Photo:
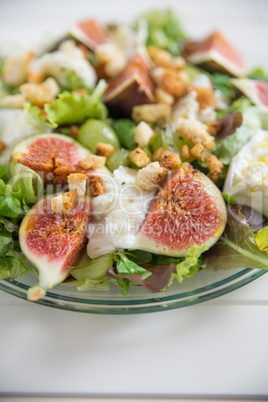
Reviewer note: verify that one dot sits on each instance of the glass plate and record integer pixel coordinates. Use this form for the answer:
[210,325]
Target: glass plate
[204,286]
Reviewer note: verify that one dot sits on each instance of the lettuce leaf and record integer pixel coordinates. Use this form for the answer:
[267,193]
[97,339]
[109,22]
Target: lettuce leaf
[71,108]
[164,30]
[21,191]
[222,82]
[12,261]
[258,74]
[237,247]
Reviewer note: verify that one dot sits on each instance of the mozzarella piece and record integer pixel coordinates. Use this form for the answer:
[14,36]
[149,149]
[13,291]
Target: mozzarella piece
[247,177]
[117,213]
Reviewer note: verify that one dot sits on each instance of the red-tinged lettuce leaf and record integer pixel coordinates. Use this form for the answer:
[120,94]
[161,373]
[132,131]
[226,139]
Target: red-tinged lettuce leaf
[158,280]
[229,124]
[237,247]
[255,220]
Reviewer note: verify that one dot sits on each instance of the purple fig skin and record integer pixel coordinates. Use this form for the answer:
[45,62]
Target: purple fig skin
[132,87]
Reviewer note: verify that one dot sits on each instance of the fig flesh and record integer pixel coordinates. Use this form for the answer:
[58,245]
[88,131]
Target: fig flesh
[53,156]
[53,242]
[90,33]
[215,53]
[256,91]
[131,87]
[187,210]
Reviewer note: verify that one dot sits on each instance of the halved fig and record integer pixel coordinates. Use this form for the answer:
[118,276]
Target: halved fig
[187,210]
[132,87]
[53,242]
[256,91]
[89,32]
[215,53]
[53,156]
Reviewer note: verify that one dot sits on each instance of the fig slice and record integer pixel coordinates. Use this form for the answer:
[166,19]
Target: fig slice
[53,242]
[89,32]
[53,156]
[131,87]
[187,210]
[256,91]
[215,53]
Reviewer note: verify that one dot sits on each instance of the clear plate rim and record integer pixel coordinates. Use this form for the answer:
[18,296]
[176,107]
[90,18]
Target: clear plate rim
[151,304]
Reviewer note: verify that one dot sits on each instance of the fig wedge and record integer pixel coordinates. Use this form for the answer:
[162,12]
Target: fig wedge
[187,210]
[53,242]
[132,87]
[256,91]
[52,156]
[215,53]
[89,32]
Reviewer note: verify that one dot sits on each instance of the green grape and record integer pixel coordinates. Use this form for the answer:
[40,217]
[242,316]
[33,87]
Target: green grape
[94,131]
[119,158]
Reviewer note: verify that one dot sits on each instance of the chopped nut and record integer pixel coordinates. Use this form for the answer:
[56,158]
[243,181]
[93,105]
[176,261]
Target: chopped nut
[160,57]
[205,96]
[73,132]
[143,134]
[77,182]
[63,203]
[93,162]
[196,132]
[178,63]
[215,166]
[162,96]
[139,157]
[150,113]
[157,75]
[35,77]
[15,68]
[198,151]
[103,149]
[170,160]
[39,94]
[157,154]
[214,127]
[13,101]
[2,146]
[185,153]
[95,186]
[150,176]
[172,83]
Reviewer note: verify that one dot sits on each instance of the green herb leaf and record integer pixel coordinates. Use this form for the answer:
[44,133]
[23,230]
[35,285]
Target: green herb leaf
[125,266]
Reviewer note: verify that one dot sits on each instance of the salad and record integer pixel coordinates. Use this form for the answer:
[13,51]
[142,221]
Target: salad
[133,155]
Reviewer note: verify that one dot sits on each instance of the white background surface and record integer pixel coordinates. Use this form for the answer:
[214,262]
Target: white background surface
[218,348]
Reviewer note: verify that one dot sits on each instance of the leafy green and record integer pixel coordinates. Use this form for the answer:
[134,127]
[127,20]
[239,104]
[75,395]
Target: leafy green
[74,82]
[124,129]
[189,265]
[237,247]
[164,30]
[125,266]
[222,82]
[228,147]
[258,74]
[12,261]
[229,199]
[22,190]
[71,108]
